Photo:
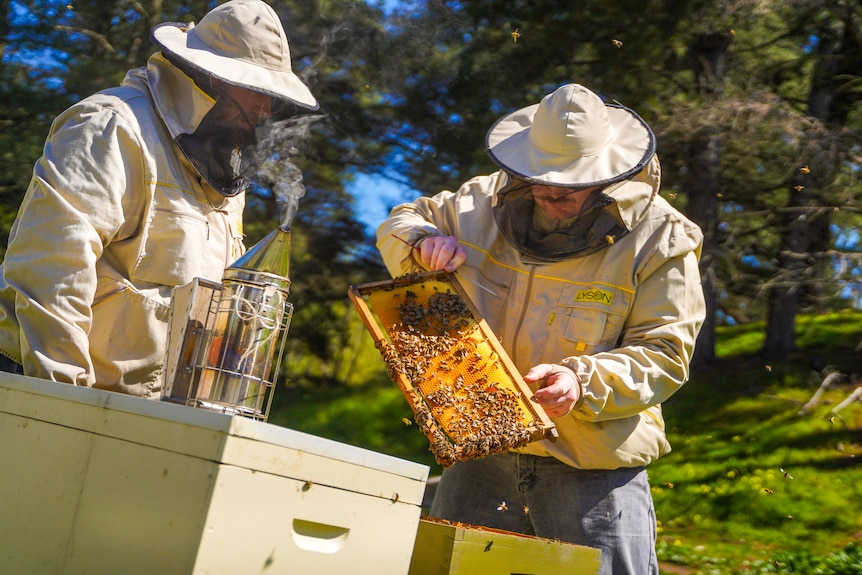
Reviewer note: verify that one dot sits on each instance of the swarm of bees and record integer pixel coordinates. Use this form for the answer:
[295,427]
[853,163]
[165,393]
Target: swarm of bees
[462,396]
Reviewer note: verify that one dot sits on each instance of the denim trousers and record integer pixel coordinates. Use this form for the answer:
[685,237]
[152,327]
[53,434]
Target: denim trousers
[611,510]
[10,366]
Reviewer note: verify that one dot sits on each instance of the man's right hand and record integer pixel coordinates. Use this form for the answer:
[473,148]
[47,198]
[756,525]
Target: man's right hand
[442,253]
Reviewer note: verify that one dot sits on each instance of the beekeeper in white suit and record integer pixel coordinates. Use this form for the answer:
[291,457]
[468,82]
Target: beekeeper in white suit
[141,188]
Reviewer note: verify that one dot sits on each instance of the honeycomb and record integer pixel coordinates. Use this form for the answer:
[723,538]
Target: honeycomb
[466,395]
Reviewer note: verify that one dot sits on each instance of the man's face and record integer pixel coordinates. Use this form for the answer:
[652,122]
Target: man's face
[560,203]
[248,110]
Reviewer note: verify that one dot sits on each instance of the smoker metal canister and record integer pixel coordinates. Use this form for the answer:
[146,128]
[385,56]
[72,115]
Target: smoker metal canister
[233,334]
[250,321]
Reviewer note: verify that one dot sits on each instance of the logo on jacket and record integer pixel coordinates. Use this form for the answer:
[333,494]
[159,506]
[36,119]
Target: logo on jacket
[595,295]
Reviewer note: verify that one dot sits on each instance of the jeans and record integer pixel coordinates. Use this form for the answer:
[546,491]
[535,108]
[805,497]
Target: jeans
[10,366]
[611,510]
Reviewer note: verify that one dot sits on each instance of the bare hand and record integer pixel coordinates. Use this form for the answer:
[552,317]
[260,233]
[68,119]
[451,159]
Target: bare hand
[559,392]
[442,253]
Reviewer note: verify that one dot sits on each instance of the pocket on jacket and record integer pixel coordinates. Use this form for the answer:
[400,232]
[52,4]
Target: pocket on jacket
[593,317]
[174,248]
[127,338]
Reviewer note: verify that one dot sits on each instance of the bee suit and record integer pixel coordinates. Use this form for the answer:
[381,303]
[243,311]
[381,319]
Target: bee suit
[609,300]
[140,188]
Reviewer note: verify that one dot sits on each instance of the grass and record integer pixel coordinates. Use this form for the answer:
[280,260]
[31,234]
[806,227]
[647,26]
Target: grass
[751,486]
[750,478]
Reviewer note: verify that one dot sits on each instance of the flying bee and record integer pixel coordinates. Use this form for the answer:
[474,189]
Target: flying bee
[515,35]
[502,507]
[617,43]
[406,421]
[786,474]
[805,170]
[610,239]
[768,491]
[798,188]
[672,195]
[526,510]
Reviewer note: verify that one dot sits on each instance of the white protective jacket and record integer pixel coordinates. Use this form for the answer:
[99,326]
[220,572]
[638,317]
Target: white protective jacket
[624,319]
[114,217]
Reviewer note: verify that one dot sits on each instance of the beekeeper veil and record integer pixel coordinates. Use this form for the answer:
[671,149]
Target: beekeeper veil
[239,56]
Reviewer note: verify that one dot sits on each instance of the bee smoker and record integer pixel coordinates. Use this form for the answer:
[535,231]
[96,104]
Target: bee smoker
[226,341]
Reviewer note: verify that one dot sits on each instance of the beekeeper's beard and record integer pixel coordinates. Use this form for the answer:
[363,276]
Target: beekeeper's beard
[545,224]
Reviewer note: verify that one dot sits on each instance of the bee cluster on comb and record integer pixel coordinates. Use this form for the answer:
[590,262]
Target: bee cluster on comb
[466,396]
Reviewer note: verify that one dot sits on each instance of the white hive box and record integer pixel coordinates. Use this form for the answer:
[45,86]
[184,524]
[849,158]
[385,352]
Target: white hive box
[102,483]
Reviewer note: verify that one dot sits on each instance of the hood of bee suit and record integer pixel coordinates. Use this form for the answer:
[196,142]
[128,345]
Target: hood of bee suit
[241,42]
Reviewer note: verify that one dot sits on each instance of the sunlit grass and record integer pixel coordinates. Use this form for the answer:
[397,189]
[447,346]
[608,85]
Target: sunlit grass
[750,478]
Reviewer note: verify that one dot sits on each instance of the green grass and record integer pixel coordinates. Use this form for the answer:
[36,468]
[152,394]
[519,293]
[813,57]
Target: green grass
[751,482]
[751,486]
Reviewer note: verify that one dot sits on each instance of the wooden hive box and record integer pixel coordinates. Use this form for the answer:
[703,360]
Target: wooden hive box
[466,394]
[444,548]
[103,483]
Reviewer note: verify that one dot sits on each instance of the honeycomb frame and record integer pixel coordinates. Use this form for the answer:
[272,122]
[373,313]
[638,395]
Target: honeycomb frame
[466,395]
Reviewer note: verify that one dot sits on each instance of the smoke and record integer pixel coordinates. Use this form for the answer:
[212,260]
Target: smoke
[279,143]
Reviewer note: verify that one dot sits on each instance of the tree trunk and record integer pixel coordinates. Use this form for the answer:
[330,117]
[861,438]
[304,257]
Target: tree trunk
[709,52]
[801,271]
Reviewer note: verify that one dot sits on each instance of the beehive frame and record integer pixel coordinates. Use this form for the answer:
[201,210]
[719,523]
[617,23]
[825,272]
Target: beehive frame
[467,396]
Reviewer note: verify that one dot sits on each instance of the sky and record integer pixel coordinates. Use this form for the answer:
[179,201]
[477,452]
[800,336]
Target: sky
[375,196]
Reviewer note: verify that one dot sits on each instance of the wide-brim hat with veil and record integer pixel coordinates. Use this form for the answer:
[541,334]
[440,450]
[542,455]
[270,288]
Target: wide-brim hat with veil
[571,139]
[241,42]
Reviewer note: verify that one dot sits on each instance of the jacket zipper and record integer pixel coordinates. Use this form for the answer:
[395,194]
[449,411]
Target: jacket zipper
[104,297]
[523,315]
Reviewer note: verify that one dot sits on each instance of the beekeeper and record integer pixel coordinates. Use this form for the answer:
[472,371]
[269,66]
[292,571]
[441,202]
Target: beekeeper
[141,188]
[598,301]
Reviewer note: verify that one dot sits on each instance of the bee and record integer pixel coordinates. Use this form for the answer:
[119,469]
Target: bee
[488,546]
[805,169]
[406,421]
[832,420]
[786,474]
[526,510]
[502,507]
[768,491]
[798,188]
[668,484]
[732,32]
[306,486]
[617,43]
[515,35]
[395,497]
[768,368]
[672,195]
[610,239]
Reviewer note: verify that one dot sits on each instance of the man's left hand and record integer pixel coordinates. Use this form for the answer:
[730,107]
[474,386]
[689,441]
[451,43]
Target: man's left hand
[559,392]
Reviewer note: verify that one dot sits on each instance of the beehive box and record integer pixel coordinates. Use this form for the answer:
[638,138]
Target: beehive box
[102,483]
[444,548]
[466,394]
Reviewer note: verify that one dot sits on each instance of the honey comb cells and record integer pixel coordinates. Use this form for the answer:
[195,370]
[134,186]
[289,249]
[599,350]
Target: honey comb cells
[467,400]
